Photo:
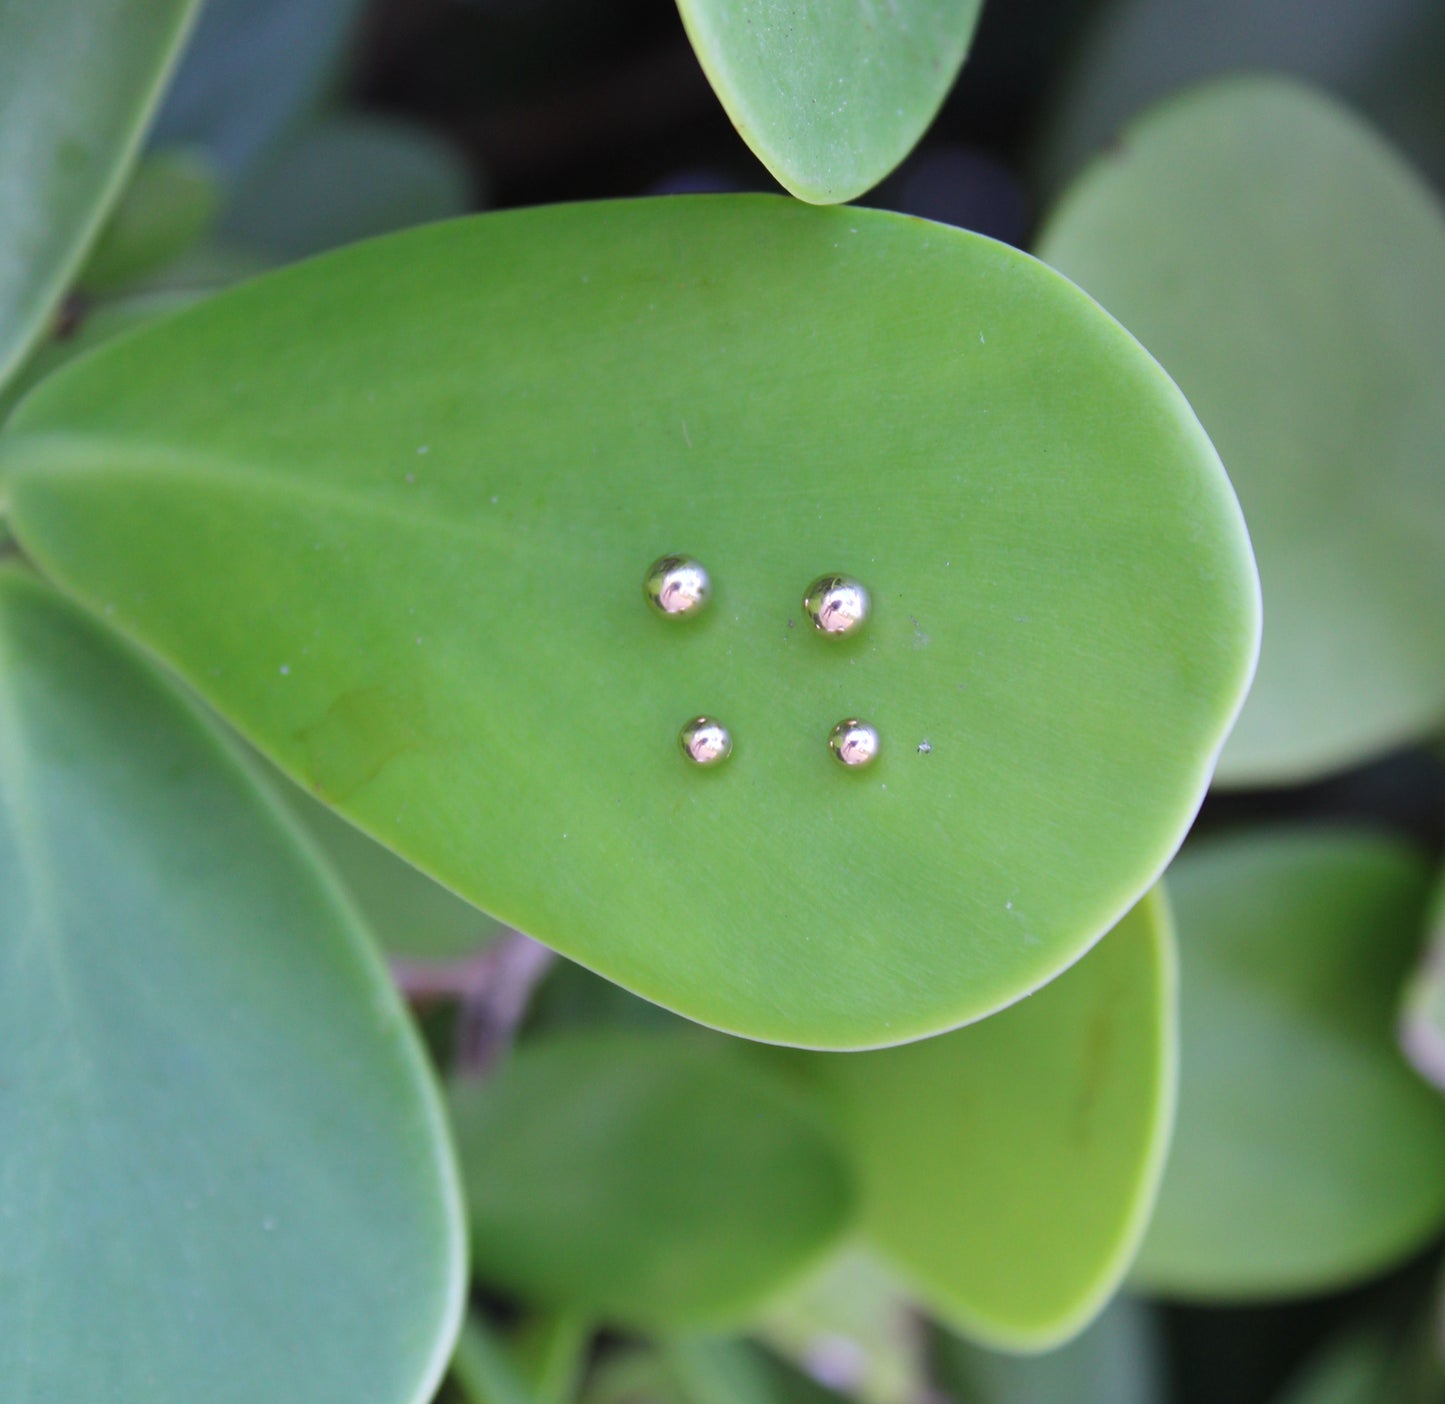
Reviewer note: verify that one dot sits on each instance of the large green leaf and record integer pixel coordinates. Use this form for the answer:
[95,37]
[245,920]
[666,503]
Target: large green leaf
[832,95]
[1290,274]
[78,79]
[1308,1153]
[226,1174]
[1008,1169]
[647,1179]
[390,511]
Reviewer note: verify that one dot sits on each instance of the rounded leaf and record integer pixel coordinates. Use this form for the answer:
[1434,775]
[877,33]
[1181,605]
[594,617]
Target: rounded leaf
[1289,272]
[649,1180]
[78,80]
[1308,1153]
[391,511]
[1008,1169]
[832,95]
[227,1174]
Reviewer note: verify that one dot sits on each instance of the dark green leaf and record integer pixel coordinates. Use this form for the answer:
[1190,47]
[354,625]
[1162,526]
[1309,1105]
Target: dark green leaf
[650,1180]
[832,95]
[166,209]
[340,179]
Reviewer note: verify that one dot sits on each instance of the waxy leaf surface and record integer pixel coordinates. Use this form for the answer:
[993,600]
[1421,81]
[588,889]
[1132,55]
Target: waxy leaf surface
[226,1173]
[653,1180]
[1007,1170]
[78,79]
[1289,272]
[833,94]
[390,511]
[1308,1152]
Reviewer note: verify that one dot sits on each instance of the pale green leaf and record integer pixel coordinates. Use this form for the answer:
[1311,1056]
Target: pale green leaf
[646,1179]
[1289,272]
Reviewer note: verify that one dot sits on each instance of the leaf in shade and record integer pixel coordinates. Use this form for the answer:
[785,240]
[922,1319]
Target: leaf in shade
[78,82]
[1308,1153]
[226,1174]
[648,1180]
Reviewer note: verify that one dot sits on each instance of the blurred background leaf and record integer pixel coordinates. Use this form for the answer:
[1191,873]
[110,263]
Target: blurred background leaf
[1308,1153]
[1289,272]
[78,81]
[346,177]
[645,1179]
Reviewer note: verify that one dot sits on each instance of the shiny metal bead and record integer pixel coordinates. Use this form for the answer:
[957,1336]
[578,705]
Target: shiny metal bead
[705,741]
[837,605]
[853,743]
[677,586]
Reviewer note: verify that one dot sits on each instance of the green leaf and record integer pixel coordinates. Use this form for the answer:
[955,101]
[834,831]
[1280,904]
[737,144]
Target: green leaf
[1008,1169]
[78,81]
[412,489]
[1307,1153]
[346,178]
[647,1180]
[831,96]
[166,209]
[226,1172]
[1120,1359]
[1290,274]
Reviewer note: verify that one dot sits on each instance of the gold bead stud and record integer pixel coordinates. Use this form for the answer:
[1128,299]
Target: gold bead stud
[853,743]
[705,741]
[837,605]
[677,586]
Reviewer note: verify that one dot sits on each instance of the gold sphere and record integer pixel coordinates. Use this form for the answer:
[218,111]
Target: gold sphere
[853,743]
[677,586]
[705,741]
[837,605]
